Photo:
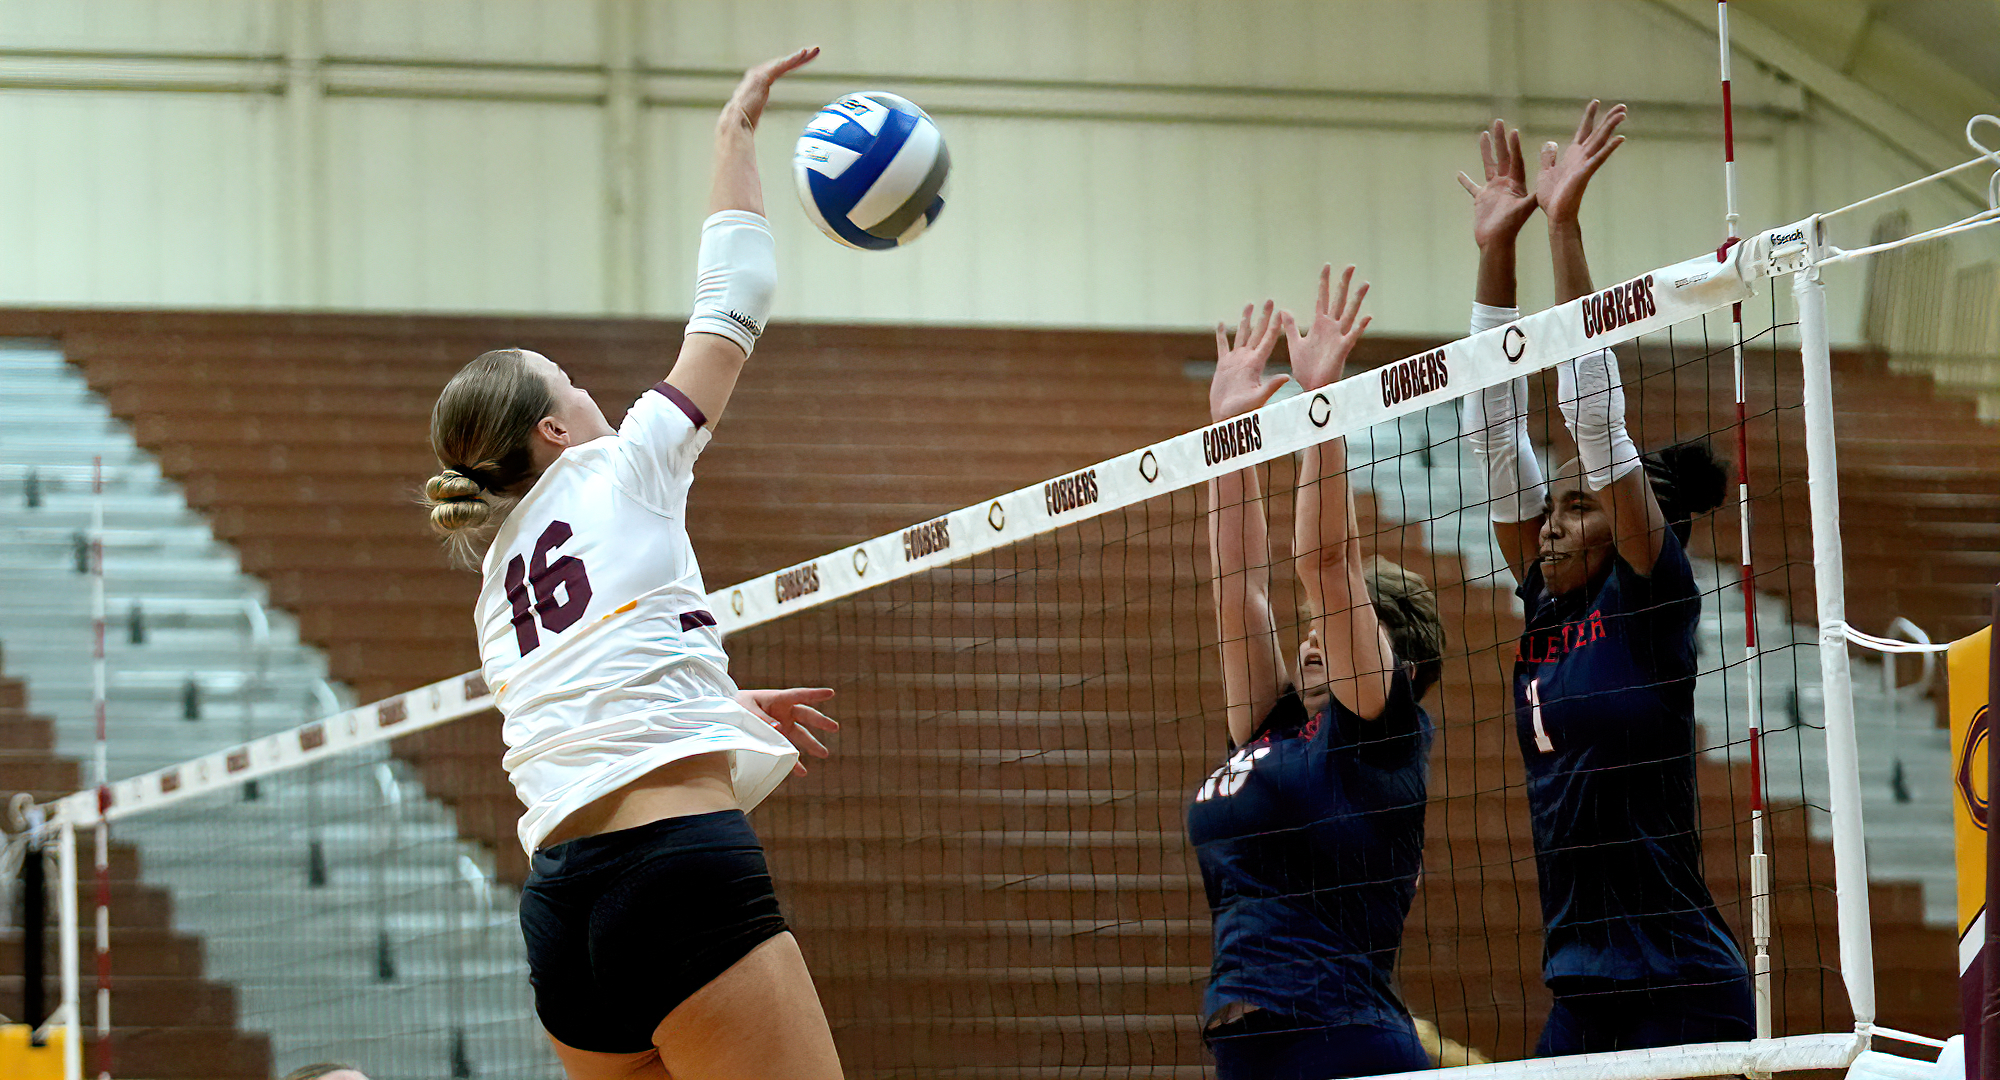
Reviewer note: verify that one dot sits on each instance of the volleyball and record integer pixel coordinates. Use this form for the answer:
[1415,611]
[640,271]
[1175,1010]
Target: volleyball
[869,169]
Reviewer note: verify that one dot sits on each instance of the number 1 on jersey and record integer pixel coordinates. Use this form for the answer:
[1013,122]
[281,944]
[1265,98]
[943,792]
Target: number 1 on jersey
[524,613]
[1542,741]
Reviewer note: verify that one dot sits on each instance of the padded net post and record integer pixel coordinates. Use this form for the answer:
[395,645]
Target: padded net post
[69,950]
[1857,959]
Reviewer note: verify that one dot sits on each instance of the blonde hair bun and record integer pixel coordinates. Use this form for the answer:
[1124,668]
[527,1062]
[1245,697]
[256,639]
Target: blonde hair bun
[456,503]
[482,431]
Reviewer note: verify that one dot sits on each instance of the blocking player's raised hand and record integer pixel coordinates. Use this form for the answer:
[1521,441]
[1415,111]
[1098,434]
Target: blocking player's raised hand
[1566,170]
[792,713]
[1239,384]
[1504,203]
[1319,353]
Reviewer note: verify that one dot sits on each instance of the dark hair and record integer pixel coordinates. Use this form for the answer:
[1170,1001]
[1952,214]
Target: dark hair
[480,432]
[1687,479]
[1408,612]
[313,1072]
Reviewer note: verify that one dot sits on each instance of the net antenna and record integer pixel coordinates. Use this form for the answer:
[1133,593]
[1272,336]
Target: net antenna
[100,768]
[1760,859]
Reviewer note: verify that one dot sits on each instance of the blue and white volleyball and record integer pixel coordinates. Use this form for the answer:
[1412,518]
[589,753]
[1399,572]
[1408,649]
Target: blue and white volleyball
[870,168]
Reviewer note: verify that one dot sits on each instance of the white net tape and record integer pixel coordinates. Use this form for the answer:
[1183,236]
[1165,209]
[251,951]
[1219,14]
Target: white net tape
[1645,304]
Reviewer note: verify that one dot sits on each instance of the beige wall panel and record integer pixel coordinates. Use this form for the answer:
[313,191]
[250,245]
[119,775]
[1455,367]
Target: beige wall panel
[1121,223]
[531,31]
[1622,52]
[442,205]
[1405,46]
[138,199]
[1847,164]
[143,26]
[1116,162]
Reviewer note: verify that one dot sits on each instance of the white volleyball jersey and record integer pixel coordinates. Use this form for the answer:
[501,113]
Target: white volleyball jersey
[593,628]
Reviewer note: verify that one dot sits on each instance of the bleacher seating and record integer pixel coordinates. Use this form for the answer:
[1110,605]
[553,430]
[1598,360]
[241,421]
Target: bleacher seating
[196,662]
[170,1019]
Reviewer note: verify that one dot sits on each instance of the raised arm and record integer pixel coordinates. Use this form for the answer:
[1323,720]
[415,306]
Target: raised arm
[1588,389]
[1495,419]
[1239,548]
[738,268]
[1326,541]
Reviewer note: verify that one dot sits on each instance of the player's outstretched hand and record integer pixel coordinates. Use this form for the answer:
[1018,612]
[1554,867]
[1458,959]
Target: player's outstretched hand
[1566,171]
[1319,354]
[746,105]
[1503,204]
[1239,384]
[792,713]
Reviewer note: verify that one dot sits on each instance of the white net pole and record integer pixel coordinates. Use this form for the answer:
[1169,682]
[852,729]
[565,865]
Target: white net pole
[1857,952]
[68,948]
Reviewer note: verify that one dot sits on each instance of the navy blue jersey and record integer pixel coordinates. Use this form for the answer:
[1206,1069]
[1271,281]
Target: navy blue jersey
[1310,839]
[1604,708]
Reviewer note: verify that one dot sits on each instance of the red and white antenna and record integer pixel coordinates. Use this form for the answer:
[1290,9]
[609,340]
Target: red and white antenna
[1760,860]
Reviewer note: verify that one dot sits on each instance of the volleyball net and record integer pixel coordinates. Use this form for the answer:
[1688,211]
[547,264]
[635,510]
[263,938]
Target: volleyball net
[994,874]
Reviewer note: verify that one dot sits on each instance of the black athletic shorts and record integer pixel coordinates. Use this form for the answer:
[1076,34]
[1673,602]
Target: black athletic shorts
[624,926]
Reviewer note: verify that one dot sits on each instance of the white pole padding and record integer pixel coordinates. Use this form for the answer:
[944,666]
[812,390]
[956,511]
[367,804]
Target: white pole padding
[67,932]
[1857,950]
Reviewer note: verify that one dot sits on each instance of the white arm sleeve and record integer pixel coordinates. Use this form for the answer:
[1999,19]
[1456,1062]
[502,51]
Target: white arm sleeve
[737,271]
[1486,317]
[1592,400]
[1495,424]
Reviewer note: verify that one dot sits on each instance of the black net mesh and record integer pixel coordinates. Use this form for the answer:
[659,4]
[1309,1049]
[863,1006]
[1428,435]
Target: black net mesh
[994,872]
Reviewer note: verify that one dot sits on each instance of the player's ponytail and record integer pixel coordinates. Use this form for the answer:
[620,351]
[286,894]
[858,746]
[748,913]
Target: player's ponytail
[1407,608]
[480,431]
[1687,479]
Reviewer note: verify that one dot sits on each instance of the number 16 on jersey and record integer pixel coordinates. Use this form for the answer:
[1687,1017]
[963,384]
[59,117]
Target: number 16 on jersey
[544,578]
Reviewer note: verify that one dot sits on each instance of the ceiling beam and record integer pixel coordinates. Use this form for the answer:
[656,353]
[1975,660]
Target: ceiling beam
[1908,136]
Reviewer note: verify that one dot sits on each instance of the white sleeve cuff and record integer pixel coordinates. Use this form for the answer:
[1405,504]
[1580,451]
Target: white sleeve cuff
[1486,317]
